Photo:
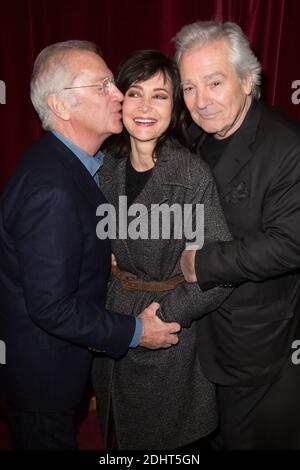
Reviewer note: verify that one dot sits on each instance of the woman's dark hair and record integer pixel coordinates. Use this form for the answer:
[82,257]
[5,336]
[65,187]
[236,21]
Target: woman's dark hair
[139,67]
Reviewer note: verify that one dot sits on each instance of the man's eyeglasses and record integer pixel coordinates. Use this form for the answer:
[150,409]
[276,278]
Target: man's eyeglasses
[103,87]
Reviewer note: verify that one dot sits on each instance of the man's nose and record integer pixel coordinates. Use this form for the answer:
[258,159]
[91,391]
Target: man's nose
[116,93]
[202,98]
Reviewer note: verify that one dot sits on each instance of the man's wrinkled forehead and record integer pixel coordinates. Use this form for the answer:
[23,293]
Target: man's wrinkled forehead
[208,60]
[209,48]
[87,64]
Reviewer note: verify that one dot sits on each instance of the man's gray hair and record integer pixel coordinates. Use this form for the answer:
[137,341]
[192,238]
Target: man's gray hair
[241,55]
[51,74]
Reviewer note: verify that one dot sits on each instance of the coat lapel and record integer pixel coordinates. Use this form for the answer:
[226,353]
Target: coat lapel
[239,151]
[113,186]
[236,155]
[112,177]
[154,191]
[77,171]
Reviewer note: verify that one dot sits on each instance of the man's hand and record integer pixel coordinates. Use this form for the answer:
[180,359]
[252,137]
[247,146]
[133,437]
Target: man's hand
[187,263]
[157,334]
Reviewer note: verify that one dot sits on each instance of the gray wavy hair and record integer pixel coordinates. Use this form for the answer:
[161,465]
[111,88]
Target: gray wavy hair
[241,55]
[51,74]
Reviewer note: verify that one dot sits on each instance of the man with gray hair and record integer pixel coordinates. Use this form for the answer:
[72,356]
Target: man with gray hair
[254,152]
[53,268]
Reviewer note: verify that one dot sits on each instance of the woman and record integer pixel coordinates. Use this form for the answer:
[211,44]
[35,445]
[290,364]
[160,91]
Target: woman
[158,399]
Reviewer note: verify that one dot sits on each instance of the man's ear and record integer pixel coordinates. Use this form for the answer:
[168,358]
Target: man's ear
[58,107]
[247,84]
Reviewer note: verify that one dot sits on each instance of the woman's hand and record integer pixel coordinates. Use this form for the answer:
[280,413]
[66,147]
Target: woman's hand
[187,263]
[113,261]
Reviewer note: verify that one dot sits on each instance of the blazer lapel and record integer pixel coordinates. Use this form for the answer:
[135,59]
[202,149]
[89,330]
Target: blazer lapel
[77,171]
[236,155]
[239,150]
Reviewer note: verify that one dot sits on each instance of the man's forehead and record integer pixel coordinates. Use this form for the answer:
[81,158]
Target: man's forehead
[88,63]
[218,49]
[209,76]
[208,60]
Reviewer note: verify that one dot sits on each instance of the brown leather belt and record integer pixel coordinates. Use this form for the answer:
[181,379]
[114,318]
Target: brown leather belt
[132,282]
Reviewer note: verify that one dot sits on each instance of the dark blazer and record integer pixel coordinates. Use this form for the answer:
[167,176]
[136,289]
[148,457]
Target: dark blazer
[53,276]
[160,399]
[249,339]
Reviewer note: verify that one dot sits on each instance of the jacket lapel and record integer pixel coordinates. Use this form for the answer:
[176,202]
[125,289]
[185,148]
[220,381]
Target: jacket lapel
[77,171]
[236,155]
[112,176]
[154,191]
[113,186]
[239,151]
[164,175]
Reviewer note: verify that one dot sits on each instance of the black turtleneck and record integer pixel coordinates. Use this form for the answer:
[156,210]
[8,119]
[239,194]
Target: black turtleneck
[212,149]
[135,181]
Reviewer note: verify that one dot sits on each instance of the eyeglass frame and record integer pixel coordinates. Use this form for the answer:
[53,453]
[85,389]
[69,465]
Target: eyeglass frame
[103,86]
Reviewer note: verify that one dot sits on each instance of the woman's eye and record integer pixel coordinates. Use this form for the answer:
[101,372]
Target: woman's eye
[160,97]
[132,94]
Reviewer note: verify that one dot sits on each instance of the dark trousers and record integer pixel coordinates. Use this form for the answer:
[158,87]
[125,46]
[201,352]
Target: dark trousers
[42,431]
[265,417]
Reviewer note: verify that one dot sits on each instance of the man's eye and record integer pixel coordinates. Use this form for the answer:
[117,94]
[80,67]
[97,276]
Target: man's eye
[187,89]
[215,84]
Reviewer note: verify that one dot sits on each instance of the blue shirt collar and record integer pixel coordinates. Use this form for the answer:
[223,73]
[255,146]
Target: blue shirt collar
[91,163]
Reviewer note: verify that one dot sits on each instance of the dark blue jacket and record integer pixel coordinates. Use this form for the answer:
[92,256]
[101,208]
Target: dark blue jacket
[53,277]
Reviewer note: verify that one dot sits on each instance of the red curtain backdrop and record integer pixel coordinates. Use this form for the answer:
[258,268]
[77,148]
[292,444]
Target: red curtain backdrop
[121,26]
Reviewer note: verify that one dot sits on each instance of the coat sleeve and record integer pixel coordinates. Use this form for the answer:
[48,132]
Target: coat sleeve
[270,252]
[49,242]
[187,302]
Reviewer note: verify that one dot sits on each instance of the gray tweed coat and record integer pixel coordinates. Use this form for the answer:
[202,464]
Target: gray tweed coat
[160,399]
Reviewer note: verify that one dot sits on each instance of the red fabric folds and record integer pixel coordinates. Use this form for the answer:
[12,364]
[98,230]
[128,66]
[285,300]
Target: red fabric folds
[120,27]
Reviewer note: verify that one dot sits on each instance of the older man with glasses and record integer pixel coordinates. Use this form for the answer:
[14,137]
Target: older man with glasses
[54,269]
